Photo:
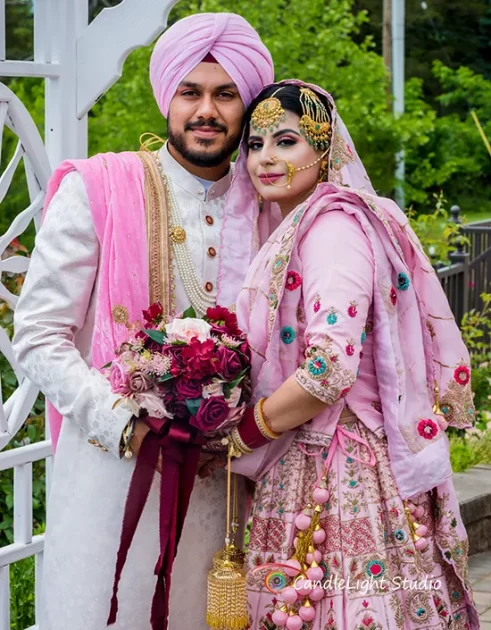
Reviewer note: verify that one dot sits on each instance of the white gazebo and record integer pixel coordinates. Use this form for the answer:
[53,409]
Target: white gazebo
[79,63]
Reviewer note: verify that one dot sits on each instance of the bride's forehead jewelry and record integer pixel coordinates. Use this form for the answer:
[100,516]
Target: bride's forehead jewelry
[315,124]
[268,115]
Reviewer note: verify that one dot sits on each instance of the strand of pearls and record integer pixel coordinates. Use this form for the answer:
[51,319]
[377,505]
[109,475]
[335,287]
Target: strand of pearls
[200,299]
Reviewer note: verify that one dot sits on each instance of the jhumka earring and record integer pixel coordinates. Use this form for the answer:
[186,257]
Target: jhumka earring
[315,124]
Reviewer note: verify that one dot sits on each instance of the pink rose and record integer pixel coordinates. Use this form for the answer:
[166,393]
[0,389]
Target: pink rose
[153,404]
[211,414]
[187,329]
[215,388]
[118,378]
[138,382]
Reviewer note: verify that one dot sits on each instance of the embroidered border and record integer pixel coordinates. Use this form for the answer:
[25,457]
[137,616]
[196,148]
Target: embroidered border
[160,269]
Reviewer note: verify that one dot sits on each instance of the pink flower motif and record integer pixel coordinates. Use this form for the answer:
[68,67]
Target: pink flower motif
[367,620]
[352,312]
[462,375]
[293,280]
[345,392]
[364,603]
[393,296]
[427,429]
[350,348]
[317,304]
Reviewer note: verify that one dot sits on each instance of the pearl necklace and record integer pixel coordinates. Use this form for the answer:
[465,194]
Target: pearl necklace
[200,299]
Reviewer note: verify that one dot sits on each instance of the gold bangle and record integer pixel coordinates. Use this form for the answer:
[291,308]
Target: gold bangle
[261,423]
[238,442]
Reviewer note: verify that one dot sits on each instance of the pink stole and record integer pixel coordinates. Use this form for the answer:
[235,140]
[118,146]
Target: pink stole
[115,185]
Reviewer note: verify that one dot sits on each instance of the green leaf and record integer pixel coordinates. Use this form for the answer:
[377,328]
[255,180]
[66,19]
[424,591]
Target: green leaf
[166,377]
[193,404]
[189,312]
[156,335]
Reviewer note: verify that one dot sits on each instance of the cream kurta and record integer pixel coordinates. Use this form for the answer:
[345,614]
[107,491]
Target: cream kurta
[54,324]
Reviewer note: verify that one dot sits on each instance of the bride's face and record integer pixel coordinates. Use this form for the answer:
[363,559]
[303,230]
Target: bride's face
[267,157]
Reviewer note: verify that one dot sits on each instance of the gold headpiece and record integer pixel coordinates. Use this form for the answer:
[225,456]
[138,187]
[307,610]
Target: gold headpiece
[315,123]
[268,115]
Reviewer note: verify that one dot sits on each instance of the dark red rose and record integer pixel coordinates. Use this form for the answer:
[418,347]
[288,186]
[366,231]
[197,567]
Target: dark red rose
[153,312]
[229,364]
[222,320]
[178,363]
[211,414]
[175,406]
[186,390]
[245,354]
[200,359]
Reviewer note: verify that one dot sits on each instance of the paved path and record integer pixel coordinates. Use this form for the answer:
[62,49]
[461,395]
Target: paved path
[480,577]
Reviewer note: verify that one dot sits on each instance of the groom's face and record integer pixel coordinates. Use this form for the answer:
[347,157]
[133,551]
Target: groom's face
[205,116]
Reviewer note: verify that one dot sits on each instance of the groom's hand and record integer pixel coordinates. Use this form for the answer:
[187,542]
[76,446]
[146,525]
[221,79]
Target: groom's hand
[139,434]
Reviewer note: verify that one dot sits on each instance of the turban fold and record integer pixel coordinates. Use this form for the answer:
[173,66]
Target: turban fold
[228,37]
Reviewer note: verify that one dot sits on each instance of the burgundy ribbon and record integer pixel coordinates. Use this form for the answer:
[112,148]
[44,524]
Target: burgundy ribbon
[180,448]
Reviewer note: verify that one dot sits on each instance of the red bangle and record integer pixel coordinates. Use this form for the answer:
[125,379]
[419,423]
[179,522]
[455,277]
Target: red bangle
[249,431]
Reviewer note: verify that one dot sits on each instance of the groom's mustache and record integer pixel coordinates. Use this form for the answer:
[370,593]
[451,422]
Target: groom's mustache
[213,124]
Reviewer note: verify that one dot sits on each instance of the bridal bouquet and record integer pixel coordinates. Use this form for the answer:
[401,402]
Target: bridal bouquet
[189,375]
[190,370]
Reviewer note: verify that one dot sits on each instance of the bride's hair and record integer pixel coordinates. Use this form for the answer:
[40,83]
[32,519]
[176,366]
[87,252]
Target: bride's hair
[289,97]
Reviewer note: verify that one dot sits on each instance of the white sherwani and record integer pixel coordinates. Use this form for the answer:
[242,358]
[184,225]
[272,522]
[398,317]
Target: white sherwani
[54,324]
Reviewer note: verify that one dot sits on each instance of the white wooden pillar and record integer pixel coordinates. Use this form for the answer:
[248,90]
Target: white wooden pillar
[62,22]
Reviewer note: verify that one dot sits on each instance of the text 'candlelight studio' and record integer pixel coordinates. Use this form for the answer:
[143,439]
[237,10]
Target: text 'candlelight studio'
[334,583]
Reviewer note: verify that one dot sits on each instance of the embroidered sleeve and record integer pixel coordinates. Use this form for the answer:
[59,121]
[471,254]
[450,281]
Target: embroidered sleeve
[52,309]
[337,288]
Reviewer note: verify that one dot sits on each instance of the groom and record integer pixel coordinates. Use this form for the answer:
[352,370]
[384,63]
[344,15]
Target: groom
[122,231]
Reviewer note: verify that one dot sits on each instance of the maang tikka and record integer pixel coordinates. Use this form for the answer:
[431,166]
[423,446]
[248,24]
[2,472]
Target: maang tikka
[268,114]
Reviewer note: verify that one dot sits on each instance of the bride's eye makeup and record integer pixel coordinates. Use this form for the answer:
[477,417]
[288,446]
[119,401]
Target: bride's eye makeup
[254,144]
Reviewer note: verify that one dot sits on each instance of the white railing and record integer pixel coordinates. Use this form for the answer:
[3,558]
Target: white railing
[79,63]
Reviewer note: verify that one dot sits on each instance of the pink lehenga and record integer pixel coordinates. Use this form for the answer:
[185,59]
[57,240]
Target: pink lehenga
[342,296]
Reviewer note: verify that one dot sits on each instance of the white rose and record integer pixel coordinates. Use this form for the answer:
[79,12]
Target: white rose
[234,398]
[215,388]
[187,329]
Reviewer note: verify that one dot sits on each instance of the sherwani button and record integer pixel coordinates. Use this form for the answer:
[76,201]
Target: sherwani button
[209,220]
[212,252]
[209,287]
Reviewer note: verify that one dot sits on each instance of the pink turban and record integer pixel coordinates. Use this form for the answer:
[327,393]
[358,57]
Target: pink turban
[228,37]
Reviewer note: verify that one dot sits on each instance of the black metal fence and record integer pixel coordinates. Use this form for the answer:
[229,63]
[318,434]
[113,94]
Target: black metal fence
[469,273]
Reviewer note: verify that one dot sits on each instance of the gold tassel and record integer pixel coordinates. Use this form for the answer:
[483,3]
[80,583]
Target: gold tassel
[227,588]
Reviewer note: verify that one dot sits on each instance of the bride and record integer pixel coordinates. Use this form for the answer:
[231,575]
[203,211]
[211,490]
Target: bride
[358,368]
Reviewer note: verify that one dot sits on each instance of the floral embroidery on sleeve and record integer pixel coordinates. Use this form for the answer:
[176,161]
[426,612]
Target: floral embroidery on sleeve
[352,312]
[293,280]
[350,347]
[317,303]
[457,403]
[403,281]
[332,316]
[288,335]
[323,376]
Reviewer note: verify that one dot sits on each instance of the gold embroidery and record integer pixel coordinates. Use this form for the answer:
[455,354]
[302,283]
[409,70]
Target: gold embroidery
[120,314]
[457,404]
[341,156]
[160,269]
[178,234]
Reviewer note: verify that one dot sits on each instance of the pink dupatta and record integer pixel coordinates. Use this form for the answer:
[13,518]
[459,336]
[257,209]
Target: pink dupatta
[115,190]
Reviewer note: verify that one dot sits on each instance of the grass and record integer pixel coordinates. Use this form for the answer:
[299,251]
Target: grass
[466,452]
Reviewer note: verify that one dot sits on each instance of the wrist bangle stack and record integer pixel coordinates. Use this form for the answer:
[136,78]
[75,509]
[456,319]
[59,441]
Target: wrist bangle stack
[126,439]
[253,430]
[262,423]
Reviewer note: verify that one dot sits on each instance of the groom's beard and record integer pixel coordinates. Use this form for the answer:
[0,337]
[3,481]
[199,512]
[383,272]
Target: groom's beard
[203,159]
